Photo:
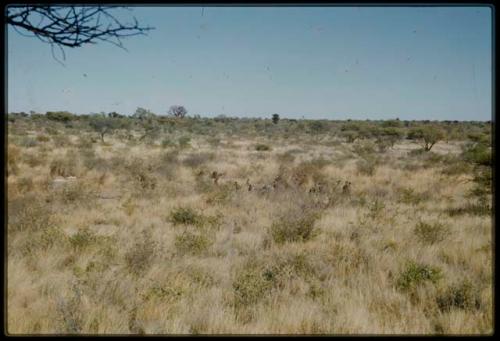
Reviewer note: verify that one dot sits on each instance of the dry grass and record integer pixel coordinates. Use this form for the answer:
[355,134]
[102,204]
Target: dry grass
[327,241]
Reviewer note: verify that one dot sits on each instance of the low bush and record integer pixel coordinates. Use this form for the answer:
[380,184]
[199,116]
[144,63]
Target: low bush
[184,141]
[480,207]
[367,166]
[461,296]
[82,239]
[294,228]
[184,216]
[28,213]
[410,197]
[139,257]
[13,155]
[141,175]
[28,142]
[192,243]
[250,285]
[431,232]
[43,138]
[262,147]
[415,274]
[64,166]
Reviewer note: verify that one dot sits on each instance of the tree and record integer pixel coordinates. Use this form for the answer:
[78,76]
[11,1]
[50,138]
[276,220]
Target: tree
[71,26]
[390,135]
[276,118]
[177,111]
[114,114]
[317,127]
[429,136]
[61,116]
[104,125]
[143,114]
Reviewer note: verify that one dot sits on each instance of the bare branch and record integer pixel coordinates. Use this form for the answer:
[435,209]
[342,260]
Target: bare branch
[72,26]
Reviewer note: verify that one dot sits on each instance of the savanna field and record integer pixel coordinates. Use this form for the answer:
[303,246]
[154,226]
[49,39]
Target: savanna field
[163,225]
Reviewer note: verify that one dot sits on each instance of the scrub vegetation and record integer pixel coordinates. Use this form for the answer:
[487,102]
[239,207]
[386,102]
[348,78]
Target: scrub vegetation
[188,225]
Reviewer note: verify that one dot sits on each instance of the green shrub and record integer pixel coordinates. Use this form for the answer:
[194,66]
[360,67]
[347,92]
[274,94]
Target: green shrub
[28,213]
[480,207]
[410,197]
[76,192]
[60,116]
[42,138]
[431,233]
[82,239]
[25,184]
[33,160]
[188,216]
[167,142]
[62,166]
[13,154]
[367,166]
[28,142]
[428,135]
[482,179]
[213,141]
[281,269]
[219,195]
[456,168]
[462,296]
[415,274]
[139,257]
[61,141]
[376,208]
[363,149]
[350,136]
[262,147]
[250,285]
[184,216]
[141,174]
[294,228]
[184,141]
[192,243]
[170,293]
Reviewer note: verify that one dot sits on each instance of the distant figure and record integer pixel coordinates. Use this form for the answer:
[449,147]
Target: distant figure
[216,176]
[249,185]
[346,189]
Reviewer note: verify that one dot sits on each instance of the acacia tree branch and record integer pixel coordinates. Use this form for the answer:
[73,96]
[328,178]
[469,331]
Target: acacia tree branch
[72,26]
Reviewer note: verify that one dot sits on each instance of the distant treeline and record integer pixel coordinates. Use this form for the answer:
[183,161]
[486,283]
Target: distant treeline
[152,125]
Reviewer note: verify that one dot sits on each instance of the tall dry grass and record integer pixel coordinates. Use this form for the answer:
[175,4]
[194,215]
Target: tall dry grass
[143,240]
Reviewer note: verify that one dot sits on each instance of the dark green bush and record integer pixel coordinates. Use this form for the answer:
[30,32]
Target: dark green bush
[478,154]
[431,233]
[461,295]
[262,147]
[192,243]
[250,285]
[82,239]
[61,116]
[294,227]
[139,257]
[184,141]
[184,216]
[415,274]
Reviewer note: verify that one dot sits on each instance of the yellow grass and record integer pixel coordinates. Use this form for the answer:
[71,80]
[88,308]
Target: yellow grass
[348,284]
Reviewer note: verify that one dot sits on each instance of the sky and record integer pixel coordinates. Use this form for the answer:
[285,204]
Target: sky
[413,63]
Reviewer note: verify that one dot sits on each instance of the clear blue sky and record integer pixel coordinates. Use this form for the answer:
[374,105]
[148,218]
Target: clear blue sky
[318,62]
